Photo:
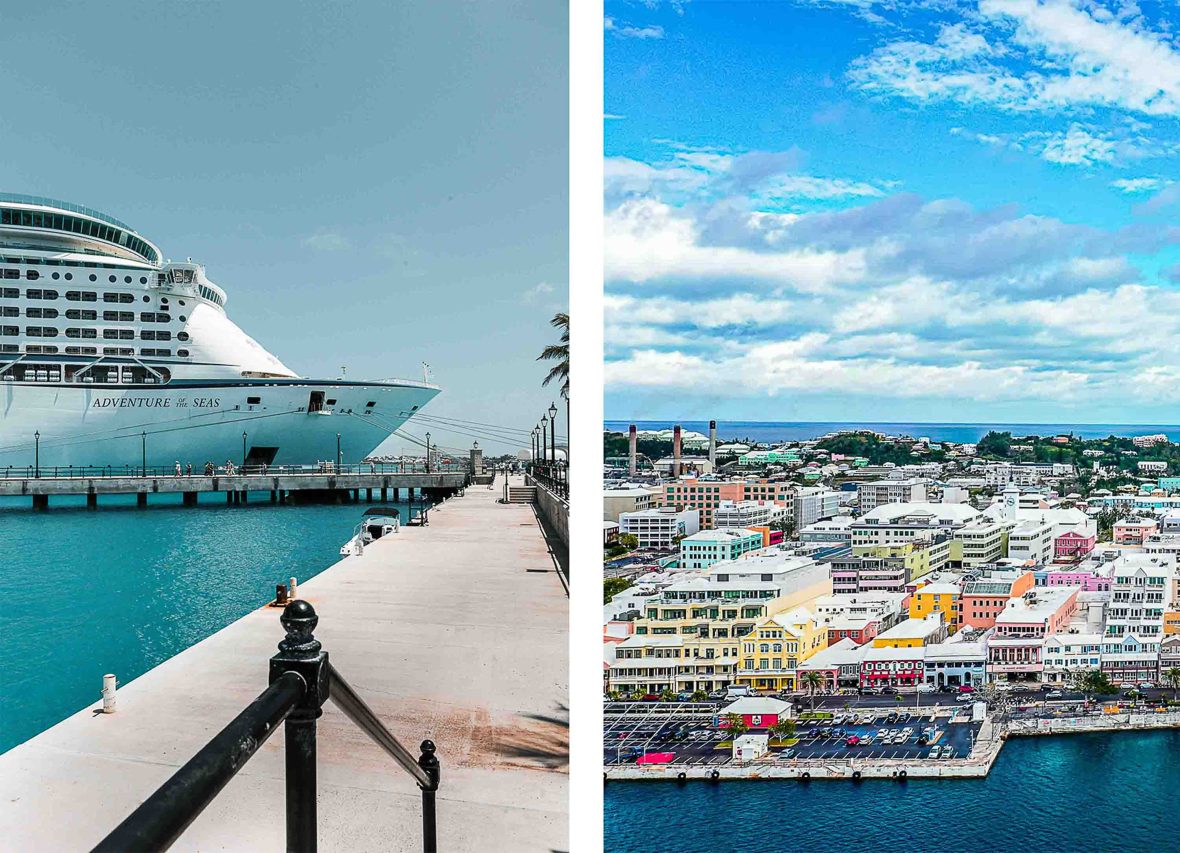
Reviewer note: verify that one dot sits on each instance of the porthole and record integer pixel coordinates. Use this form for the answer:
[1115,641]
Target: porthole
[113,278]
[93,277]
[127,279]
[69,276]
[147,298]
[181,301]
[56,275]
[143,279]
[182,318]
[182,336]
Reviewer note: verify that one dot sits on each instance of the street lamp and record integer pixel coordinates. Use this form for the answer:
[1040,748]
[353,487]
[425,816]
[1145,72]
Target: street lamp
[533,458]
[553,431]
[544,449]
[427,453]
[243,451]
[143,454]
[37,455]
[339,455]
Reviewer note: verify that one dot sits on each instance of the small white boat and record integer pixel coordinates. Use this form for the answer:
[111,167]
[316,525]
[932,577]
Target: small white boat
[378,521]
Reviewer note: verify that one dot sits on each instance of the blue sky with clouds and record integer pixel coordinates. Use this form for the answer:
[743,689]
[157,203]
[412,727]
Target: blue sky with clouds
[898,210]
[374,184]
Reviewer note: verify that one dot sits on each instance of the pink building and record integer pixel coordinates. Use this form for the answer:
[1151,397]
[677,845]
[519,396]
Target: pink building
[858,629]
[893,667]
[1134,531]
[1014,651]
[1088,581]
[1072,545]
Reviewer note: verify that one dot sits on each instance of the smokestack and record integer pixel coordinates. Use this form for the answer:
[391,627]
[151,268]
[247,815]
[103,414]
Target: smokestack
[634,446]
[712,444]
[676,451]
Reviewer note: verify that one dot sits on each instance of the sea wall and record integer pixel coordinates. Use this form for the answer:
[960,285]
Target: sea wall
[555,510]
[1094,723]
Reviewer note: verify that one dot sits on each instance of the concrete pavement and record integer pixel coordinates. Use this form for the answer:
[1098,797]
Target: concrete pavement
[456,631]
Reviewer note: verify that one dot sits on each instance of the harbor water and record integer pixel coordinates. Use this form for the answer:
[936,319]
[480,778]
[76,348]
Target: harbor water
[1092,792]
[121,589]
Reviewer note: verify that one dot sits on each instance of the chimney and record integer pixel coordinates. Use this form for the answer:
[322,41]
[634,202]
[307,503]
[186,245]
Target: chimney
[634,443]
[712,444]
[676,451]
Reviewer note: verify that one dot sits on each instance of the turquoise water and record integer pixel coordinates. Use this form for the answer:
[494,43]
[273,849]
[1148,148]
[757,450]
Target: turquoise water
[122,589]
[1072,793]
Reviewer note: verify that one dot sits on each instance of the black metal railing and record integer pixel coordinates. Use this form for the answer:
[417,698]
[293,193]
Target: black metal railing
[301,681]
[98,472]
[553,475]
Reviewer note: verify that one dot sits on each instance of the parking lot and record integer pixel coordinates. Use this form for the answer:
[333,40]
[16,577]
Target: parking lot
[693,741]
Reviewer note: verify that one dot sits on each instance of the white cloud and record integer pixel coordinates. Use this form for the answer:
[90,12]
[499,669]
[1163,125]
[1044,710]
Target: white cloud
[538,291]
[1140,185]
[1078,147]
[328,241]
[631,32]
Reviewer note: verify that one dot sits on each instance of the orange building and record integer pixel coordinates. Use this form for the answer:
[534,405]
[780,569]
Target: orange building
[984,599]
[705,496]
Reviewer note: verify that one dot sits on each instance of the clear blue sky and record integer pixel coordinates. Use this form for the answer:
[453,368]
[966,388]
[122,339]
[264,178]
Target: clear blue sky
[374,184]
[925,210]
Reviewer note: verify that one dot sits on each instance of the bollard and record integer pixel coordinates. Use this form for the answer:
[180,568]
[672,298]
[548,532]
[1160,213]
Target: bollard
[280,594]
[108,693]
[292,589]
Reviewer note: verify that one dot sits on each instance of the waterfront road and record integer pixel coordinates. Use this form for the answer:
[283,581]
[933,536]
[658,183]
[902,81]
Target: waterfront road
[455,631]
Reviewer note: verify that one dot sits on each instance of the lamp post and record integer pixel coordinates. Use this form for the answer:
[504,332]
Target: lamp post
[339,454]
[37,455]
[243,451]
[427,453]
[143,454]
[553,431]
[544,449]
[533,457]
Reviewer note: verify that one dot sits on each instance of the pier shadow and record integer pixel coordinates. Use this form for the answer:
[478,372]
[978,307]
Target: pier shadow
[558,551]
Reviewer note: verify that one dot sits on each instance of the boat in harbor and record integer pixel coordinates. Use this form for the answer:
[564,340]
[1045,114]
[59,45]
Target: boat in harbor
[112,355]
[378,521]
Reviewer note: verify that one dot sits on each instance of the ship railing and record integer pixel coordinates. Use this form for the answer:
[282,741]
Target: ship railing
[91,472]
[302,680]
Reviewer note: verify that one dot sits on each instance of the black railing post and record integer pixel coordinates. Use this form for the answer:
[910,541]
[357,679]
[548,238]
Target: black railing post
[300,652]
[428,761]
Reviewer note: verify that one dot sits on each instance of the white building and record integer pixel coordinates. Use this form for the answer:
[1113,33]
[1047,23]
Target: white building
[960,659]
[658,528]
[899,524]
[747,514]
[1067,653]
[982,541]
[838,529]
[872,495]
[708,547]
[815,503]
[615,502]
[1031,540]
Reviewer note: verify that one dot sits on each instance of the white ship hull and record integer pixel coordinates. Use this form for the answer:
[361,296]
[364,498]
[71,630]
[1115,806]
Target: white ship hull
[94,425]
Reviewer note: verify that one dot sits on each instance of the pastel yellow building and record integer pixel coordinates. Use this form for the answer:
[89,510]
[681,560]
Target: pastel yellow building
[913,633]
[937,598]
[777,645]
[921,557]
[1171,622]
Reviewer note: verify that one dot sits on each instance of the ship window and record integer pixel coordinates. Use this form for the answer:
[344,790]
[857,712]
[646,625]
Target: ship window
[153,317]
[183,353]
[80,351]
[370,404]
[147,335]
[117,351]
[118,297]
[118,334]
[42,350]
[7,311]
[113,279]
[32,275]
[11,273]
[69,276]
[147,299]
[56,276]
[81,314]
[330,402]
[81,296]
[182,317]
[41,313]
[253,401]
[127,279]
[93,277]
[181,301]
[9,348]
[182,336]
[159,353]
[81,333]
[118,316]
[10,331]
[33,293]
[41,331]
[143,279]
[10,293]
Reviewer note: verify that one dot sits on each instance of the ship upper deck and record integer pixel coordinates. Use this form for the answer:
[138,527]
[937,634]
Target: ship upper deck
[38,222]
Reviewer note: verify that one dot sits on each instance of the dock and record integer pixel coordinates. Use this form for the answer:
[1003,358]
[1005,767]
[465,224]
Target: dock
[457,632]
[282,486]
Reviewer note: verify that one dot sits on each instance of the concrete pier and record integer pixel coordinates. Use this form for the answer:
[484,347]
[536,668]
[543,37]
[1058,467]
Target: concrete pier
[456,631]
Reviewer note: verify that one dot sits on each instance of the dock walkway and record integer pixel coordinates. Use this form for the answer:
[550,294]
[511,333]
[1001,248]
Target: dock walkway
[456,631]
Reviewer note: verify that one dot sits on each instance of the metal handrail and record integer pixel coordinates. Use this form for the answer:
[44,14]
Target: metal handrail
[160,820]
[354,707]
[100,472]
[301,681]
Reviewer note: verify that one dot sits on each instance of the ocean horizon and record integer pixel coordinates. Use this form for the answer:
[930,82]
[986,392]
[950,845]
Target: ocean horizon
[959,433]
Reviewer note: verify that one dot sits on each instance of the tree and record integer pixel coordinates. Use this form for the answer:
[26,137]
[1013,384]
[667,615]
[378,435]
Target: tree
[736,725]
[813,681]
[612,587]
[666,695]
[1092,682]
[994,444]
[560,353]
[783,729]
[1172,679]
[629,541]
[700,695]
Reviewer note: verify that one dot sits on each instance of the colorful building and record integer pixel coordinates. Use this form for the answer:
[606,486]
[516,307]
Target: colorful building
[913,633]
[709,547]
[705,496]
[940,598]
[777,645]
[894,667]
[1134,531]
[1073,545]
[984,599]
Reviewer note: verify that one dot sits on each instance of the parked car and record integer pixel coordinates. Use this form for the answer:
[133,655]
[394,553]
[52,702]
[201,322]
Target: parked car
[854,740]
[717,694]
[964,697]
[1054,694]
[683,696]
[1145,685]
[966,688]
[888,691]
[903,717]
[882,734]
[785,754]
[923,740]
[891,717]
[948,751]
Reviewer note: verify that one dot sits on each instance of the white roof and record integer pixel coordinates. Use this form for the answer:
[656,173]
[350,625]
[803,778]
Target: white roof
[939,588]
[894,653]
[724,534]
[846,651]
[913,629]
[756,705]
[948,513]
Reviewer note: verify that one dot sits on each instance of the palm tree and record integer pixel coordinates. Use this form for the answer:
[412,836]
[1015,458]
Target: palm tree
[559,353]
[736,725]
[1172,679]
[813,681]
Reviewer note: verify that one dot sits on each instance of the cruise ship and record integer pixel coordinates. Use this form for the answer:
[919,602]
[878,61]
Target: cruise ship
[112,356]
